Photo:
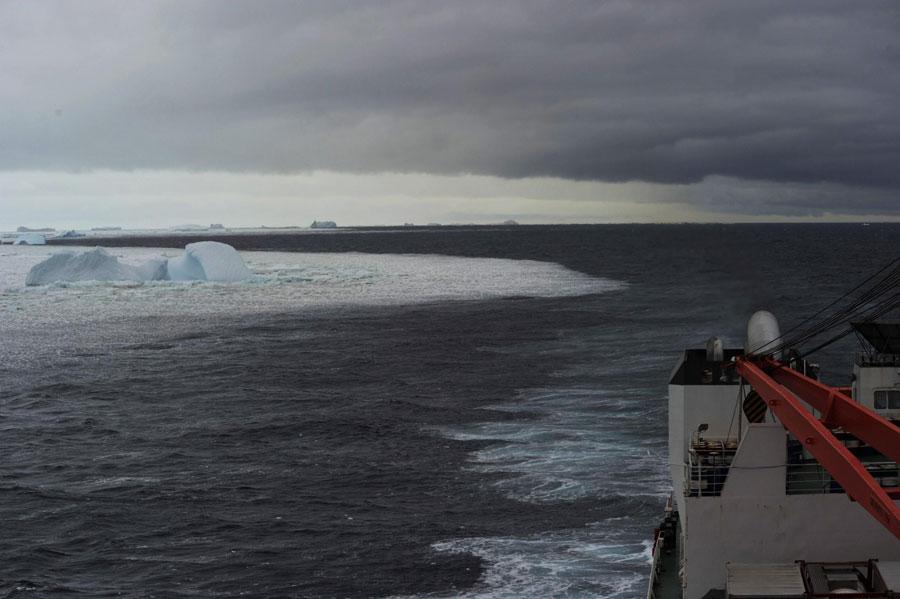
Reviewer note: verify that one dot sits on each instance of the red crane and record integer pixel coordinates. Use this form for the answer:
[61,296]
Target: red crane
[775,382]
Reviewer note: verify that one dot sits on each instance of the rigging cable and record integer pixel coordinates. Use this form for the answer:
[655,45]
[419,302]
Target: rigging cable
[868,305]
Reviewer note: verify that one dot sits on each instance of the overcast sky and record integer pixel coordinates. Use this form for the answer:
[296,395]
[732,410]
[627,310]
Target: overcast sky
[157,113]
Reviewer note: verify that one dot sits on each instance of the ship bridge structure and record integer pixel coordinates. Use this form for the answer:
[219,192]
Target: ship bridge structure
[773,469]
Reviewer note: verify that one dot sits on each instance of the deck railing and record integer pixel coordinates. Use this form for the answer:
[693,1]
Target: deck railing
[710,462]
[659,544]
[705,480]
[877,359]
[708,480]
[812,478]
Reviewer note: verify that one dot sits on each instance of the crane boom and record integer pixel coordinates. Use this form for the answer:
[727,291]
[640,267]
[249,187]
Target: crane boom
[772,380]
[838,410]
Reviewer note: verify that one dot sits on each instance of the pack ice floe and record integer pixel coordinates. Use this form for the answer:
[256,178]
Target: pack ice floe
[30,239]
[202,261]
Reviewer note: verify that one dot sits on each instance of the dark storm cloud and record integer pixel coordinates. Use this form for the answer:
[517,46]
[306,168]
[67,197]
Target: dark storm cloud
[731,196]
[669,92]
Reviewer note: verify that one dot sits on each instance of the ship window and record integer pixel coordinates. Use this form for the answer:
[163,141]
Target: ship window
[887,399]
[894,400]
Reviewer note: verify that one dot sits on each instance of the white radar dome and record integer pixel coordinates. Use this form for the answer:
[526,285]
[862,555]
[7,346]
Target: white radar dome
[762,333]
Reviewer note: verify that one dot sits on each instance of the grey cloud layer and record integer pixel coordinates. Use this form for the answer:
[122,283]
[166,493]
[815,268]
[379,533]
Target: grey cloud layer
[669,92]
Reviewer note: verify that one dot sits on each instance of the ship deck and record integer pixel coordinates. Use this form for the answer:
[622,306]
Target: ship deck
[666,583]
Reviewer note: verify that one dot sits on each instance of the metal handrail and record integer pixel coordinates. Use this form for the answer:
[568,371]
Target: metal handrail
[864,358]
[708,480]
[658,543]
[657,552]
[710,462]
[813,478]
[705,480]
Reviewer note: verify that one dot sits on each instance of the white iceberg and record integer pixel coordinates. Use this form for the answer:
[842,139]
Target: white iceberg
[323,224]
[94,265]
[70,234]
[186,228]
[203,261]
[153,270]
[208,261]
[30,239]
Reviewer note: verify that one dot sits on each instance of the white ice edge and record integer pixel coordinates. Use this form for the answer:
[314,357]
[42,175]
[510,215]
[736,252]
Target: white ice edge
[279,282]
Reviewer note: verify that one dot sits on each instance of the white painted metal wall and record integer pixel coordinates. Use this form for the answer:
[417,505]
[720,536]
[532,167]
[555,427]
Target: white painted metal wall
[755,521]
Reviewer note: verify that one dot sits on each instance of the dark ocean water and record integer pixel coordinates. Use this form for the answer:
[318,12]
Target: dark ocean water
[504,448]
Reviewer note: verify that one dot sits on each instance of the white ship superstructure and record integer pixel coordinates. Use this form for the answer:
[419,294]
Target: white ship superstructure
[775,497]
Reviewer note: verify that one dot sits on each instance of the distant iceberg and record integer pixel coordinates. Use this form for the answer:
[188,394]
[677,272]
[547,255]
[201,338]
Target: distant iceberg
[189,228]
[40,230]
[30,239]
[70,234]
[202,261]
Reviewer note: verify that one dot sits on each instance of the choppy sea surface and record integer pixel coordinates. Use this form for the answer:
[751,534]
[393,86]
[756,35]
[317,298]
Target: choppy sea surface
[471,412]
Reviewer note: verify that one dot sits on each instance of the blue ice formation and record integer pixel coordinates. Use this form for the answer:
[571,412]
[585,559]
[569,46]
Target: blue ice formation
[202,261]
[323,224]
[30,239]
[69,234]
[208,261]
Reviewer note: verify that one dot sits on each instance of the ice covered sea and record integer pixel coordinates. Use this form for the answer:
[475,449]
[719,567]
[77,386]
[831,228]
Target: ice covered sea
[90,312]
[445,413]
